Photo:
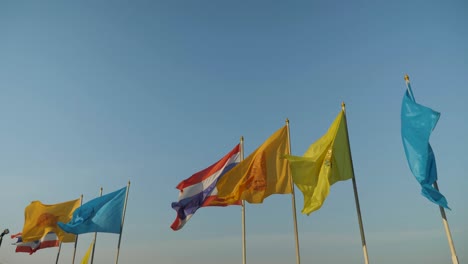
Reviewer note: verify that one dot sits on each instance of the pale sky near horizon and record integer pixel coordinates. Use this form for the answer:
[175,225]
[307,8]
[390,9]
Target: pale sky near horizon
[97,93]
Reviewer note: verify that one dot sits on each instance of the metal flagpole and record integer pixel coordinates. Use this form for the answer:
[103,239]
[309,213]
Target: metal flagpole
[298,257]
[58,253]
[122,223]
[95,235]
[447,230]
[76,238]
[356,197]
[442,210]
[244,257]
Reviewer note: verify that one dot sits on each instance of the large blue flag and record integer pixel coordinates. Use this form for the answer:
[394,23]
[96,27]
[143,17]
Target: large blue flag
[102,214]
[417,123]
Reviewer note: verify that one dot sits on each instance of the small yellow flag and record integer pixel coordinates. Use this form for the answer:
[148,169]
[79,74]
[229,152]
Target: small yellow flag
[327,161]
[40,219]
[261,174]
[85,259]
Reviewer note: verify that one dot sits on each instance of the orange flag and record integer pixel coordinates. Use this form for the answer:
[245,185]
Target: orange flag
[261,174]
[40,219]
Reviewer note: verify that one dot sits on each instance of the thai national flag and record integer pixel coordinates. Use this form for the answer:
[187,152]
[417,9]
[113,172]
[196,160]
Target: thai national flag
[49,240]
[200,189]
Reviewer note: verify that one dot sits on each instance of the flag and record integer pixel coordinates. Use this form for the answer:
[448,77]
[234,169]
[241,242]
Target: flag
[102,214]
[417,123]
[49,240]
[200,189]
[40,219]
[327,161]
[88,253]
[261,174]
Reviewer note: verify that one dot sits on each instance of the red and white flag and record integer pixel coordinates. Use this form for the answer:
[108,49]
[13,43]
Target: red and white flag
[49,240]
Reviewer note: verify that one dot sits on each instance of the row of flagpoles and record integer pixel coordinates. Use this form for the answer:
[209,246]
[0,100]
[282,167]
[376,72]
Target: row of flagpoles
[271,169]
[233,180]
[51,225]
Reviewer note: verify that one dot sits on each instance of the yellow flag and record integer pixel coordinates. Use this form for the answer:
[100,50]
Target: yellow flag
[261,174]
[327,161]
[86,256]
[40,219]
[68,238]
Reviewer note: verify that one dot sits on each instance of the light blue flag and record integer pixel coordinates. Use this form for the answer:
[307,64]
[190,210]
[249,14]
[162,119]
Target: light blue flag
[102,214]
[417,123]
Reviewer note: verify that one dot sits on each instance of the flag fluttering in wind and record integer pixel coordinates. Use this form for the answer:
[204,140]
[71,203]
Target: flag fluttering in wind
[49,240]
[85,259]
[200,189]
[41,219]
[417,123]
[102,214]
[261,174]
[327,161]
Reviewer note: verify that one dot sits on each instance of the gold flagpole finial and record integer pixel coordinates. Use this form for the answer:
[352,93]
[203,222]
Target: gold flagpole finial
[343,106]
[242,138]
[406,78]
[287,121]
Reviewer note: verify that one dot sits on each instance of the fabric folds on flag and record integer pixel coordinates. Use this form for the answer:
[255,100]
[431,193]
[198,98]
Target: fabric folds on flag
[417,124]
[199,190]
[261,174]
[41,219]
[85,259]
[49,240]
[326,162]
[102,214]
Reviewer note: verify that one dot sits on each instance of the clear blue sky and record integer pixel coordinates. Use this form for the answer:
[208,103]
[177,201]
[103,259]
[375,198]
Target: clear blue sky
[96,93]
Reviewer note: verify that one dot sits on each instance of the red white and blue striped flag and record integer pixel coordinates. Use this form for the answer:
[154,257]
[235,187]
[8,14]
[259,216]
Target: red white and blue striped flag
[49,240]
[200,189]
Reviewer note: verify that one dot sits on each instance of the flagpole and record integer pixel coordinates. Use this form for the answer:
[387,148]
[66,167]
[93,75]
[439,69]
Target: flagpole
[356,197]
[76,238]
[442,210]
[244,256]
[122,223]
[298,257]
[58,253]
[447,230]
[95,235]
